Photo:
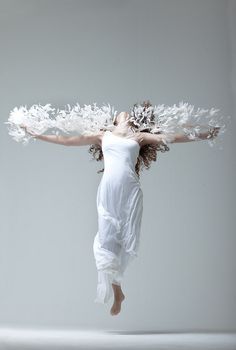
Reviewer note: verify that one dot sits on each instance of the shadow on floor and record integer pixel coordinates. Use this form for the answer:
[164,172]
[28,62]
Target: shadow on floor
[148,332]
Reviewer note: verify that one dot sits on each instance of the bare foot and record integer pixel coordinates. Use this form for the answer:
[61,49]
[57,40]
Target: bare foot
[118,298]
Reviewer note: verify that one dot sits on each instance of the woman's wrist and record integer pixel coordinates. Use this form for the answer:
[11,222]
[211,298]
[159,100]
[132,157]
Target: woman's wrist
[210,134]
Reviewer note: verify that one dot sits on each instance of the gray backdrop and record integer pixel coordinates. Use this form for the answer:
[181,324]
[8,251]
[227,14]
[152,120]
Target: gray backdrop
[118,52]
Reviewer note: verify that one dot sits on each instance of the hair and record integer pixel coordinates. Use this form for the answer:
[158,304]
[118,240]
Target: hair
[147,153]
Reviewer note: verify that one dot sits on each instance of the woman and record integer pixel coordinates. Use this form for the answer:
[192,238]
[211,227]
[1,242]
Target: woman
[119,195]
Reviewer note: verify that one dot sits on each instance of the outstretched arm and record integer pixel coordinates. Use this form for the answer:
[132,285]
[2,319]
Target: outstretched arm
[210,134]
[149,138]
[79,140]
[59,139]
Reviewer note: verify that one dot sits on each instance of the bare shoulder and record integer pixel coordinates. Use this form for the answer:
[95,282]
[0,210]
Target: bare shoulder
[95,138]
[145,138]
[99,137]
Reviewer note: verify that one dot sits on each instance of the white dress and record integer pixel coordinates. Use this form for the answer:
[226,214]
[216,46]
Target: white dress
[120,208]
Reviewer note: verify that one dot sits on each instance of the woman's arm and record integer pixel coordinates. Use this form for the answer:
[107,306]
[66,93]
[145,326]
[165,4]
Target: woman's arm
[82,140]
[59,139]
[149,138]
[79,140]
[210,134]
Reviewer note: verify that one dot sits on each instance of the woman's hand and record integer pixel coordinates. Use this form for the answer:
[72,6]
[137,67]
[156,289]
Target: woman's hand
[26,130]
[214,132]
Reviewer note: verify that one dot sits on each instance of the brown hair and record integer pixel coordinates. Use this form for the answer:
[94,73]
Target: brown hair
[147,153]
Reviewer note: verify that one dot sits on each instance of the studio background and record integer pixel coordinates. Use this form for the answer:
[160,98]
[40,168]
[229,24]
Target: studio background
[118,52]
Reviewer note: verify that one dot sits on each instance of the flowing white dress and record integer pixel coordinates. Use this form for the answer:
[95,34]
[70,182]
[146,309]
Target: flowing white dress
[120,208]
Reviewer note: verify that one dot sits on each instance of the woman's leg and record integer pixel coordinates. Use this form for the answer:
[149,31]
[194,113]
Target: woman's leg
[118,298]
[116,283]
[107,264]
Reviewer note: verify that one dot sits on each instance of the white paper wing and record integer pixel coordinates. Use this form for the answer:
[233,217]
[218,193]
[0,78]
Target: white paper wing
[168,120]
[40,118]
[181,119]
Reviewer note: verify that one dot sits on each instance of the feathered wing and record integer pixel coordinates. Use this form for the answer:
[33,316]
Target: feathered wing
[183,118]
[39,118]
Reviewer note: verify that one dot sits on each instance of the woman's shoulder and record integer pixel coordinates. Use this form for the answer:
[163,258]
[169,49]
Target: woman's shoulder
[100,135]
[141,137]
[146,137]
